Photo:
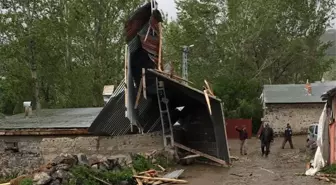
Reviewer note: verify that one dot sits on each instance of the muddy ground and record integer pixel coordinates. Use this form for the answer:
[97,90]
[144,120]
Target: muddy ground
[278,169]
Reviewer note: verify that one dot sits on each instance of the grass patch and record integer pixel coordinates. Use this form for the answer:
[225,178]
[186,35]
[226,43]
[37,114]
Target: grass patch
[26,182]
[7,178]
[84,175]
[331,169]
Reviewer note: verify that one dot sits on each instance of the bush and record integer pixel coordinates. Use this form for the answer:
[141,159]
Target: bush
[331,169]
[86,176]
[26,182]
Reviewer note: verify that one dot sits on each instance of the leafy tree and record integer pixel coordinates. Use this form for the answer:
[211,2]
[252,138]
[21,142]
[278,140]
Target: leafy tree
[241,45]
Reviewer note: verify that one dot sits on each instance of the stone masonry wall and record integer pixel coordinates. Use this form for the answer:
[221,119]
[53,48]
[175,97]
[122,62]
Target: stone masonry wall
[299,116]
[37,150]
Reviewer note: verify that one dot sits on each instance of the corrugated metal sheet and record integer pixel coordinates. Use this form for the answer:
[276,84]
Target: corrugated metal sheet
[149,115]
[329,94]
[52,118]
[174,175]
[210,136]
[111,120]
[295,93]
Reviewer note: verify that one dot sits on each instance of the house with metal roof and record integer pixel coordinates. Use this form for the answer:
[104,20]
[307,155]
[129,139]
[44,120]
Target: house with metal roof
[300,105]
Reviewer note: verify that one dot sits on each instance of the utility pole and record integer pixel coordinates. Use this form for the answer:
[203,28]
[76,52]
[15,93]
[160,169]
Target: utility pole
[185,63]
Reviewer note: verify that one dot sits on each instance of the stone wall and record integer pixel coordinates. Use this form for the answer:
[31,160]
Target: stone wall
[299,116]
[36,150]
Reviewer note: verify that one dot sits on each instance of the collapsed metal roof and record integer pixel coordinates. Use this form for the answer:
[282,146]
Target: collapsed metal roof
[202,130]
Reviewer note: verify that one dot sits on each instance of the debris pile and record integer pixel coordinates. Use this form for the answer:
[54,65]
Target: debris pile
[149,168]
[152,177]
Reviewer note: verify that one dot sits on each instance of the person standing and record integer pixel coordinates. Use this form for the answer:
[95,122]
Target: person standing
[243,137]
[288,137]
[266,137]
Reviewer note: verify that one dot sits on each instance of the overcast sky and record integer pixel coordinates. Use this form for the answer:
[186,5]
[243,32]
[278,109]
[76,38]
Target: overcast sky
[168,6]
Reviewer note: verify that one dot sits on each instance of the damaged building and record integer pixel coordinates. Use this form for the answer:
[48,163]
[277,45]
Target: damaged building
[151,98]
[297,104]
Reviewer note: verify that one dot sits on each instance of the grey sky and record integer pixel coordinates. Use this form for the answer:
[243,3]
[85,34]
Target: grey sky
[168,6]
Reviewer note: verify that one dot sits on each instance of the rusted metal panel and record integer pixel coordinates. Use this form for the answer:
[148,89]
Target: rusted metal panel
[232,123]
[46,131]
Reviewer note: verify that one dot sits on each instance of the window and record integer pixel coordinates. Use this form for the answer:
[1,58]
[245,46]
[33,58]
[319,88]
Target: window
[316,129]
[311,129]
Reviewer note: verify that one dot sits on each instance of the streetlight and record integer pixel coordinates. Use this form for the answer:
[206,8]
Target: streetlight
[185,62]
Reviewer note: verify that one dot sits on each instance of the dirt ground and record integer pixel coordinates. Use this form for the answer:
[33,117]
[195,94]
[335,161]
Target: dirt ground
[278,169]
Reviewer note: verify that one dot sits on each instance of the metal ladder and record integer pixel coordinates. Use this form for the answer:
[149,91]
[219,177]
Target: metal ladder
[167,128]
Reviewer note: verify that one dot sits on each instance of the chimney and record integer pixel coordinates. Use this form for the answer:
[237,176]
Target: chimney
[308,88]
[107,92]
[28,109]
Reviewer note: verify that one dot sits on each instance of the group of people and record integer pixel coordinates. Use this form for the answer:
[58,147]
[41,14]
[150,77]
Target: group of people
[266,137]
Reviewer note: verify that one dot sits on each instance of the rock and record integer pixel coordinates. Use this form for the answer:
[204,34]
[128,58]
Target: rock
[103,166]
[49,171]
[57,160]
[65,159]
[60,174]
[82,159]
[41,178]
[93,160]
[63,167]
[95,166]
[55,182]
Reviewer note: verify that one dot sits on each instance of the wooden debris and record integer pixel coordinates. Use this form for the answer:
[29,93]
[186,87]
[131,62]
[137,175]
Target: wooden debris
[138,94]
[7,183]
[138,180]
[208,101]
[234,158]
[161,179]
[236,175]
[300,174]
[325,175]
[174,76]
[126,69]
[220,161]
[162,169]
[191,156]
[270,171]
[144,83]
[322,178]
[211,163]
[100,180]
[209,88]
[160,48]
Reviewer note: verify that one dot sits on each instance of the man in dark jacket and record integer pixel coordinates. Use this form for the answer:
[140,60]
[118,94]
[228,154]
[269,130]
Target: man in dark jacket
[288,137]
[266,137]
[243,137]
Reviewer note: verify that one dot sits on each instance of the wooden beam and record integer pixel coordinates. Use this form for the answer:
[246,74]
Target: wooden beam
[144,88]
[207,100]
[160,48]
[209,88]
[138,94]
[138,180]
[126,70]
[220,161]
[174,76]
[191,156]
[161,179]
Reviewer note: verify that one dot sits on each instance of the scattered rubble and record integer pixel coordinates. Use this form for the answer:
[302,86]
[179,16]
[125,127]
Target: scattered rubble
[148,168]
